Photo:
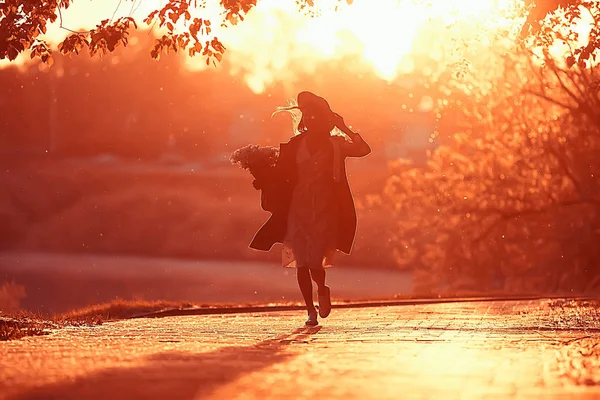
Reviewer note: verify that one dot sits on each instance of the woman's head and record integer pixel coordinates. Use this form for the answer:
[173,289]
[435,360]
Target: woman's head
[316,114]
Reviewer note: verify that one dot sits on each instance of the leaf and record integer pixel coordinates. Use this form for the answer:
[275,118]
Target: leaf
[132,21]
[12,53]
[150,17]
[47,59]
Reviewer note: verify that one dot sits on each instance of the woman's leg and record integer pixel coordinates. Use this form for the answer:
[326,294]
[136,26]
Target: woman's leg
[318,275]
[304,281]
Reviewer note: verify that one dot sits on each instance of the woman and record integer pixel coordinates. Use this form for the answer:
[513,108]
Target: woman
[313,212]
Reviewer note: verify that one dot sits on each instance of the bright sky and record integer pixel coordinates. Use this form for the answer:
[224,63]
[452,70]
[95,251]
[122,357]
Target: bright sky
[276,41]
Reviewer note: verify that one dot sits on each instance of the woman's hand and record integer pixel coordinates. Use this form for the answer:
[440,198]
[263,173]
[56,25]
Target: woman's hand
[338,121]
[358,147]
[341,125]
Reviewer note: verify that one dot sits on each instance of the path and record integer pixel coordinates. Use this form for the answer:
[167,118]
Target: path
[520,349]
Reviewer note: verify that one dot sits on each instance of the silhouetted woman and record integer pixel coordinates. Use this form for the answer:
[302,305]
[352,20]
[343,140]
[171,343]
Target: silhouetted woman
[313,212]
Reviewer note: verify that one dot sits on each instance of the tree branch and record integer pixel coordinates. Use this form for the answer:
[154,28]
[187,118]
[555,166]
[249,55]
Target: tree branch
[115,12]
[563,163]
[510,214]
[67,29]
[551,100]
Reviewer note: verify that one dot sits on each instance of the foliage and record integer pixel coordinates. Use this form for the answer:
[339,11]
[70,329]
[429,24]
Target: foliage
[254,157]
[19,324]
[17,328]
[551,21]
[23,24]
[185,25]
[117,309]
[512,201]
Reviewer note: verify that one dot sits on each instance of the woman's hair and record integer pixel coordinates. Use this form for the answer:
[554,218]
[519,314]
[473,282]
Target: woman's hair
[297,119]
[298,125]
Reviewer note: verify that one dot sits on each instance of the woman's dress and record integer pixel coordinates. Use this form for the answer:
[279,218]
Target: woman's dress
[312,219]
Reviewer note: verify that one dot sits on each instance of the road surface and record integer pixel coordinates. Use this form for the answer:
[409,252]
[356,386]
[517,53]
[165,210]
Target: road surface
[499,349]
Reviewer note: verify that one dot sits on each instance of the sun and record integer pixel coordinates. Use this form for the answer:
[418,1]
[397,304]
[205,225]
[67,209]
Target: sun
[278,42]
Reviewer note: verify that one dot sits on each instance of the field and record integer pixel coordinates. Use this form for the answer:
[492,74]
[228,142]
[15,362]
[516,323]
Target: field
[156,211]
[75,233]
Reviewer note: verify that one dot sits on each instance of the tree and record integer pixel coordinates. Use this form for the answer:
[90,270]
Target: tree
[512,201]
[23,23]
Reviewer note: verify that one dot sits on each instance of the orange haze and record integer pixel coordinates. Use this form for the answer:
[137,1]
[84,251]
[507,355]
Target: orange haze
[275,42]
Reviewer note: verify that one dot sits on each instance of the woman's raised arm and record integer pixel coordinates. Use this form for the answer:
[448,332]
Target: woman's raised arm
[358,147]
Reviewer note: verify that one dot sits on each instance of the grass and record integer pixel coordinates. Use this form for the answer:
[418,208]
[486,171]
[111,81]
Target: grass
[575,314]
[117,309]
[21,324]
[17,327]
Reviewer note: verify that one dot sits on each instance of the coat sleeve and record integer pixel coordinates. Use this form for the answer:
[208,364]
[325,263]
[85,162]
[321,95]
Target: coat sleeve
[355,147]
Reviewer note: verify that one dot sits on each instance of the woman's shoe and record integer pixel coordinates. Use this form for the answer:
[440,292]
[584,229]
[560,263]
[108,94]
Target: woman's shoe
[312,319]
[324,302]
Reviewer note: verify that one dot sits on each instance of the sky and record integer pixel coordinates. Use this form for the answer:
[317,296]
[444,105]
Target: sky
[276,42]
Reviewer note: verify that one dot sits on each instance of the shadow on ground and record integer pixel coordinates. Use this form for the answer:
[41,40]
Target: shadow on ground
[175,375]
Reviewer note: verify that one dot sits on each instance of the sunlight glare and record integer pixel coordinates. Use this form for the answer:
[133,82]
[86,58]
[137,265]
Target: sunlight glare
[277,43]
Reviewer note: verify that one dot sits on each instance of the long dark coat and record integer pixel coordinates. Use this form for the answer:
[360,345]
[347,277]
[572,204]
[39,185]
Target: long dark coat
[277,195]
